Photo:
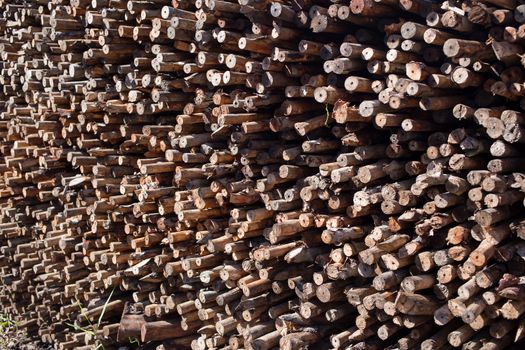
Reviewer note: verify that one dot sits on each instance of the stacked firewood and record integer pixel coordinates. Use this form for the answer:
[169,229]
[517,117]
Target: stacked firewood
[263,174]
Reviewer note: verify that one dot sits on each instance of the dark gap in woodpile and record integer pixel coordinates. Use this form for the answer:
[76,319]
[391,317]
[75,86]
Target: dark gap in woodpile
[306,174]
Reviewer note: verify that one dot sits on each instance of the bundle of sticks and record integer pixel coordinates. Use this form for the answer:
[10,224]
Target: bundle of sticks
[260,174]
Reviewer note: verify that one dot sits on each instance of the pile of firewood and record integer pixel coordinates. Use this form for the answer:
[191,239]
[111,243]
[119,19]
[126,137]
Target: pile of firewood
[260,174]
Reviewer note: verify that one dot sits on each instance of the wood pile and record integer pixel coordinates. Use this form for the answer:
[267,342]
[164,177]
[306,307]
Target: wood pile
[260,174]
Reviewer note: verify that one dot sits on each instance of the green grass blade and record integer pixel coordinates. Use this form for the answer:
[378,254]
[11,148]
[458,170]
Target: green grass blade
[81,329]
[134,341]
[104,308]
[82,312]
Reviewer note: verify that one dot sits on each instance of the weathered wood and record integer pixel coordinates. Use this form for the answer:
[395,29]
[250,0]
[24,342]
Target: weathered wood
[253,175]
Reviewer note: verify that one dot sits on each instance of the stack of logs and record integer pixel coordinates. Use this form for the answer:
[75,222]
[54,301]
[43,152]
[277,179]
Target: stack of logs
[261,174]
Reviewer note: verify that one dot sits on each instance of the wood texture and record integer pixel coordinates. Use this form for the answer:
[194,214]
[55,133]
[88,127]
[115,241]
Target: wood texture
[263,174]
